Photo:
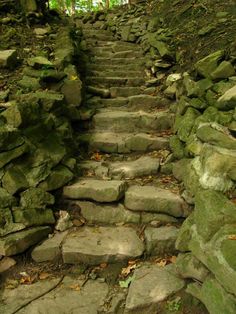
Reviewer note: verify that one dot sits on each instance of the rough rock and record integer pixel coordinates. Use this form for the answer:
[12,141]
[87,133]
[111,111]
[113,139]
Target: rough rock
[97,190]
[15,299]
[151,285]
[153,199]
[101,245]
[188,266]
[161,241]
[69,297]
[214,296]
[228,100]
[18,242]
[50,249]
[8,58]
[209,64]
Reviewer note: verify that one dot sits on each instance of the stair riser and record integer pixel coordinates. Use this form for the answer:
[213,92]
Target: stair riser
[135,124]
[99,37]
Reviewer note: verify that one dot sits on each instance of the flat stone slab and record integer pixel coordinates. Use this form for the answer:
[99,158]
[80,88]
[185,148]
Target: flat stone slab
[161,241]
[107,214]
[8,58]
[18,242]
[70,296]
[151,285]
[131,169]
[153,199]
[50,249]
[118,61]
[121,121]
[97,190]
[12,300]
[124,142]
[92,246]
[125,91]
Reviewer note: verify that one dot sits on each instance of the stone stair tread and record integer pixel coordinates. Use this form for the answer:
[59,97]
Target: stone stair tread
[141,100]
[123,142]
[92,246]
[109,81]
[117,73]
[116,54]
[97,190]
[121,121]
[155,199]
[127,169]
[115,67]
[118,61]
[142,166]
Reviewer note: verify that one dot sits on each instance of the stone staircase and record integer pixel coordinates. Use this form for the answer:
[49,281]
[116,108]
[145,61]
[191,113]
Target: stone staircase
[111,194]
[130,211]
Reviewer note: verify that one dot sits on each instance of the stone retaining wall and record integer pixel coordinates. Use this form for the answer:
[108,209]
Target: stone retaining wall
[37,144]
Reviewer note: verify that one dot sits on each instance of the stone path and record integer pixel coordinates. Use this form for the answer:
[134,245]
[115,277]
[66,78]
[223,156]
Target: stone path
[128,214]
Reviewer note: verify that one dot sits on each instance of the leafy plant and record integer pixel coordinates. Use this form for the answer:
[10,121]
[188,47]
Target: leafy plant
[174,305]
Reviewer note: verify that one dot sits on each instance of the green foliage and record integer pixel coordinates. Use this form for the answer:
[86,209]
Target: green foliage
[72,6]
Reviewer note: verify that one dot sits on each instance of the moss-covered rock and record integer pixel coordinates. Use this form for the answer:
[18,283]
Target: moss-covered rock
[209,64]
[36,198]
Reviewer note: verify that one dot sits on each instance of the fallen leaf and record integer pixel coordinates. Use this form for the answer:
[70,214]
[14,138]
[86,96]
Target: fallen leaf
[162,262]
[173,259]
[127,270]
[103,265]
[74,77]
[44,276]
[75,287]
[232,237]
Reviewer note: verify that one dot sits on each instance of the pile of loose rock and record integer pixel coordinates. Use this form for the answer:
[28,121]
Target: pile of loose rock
[36,146]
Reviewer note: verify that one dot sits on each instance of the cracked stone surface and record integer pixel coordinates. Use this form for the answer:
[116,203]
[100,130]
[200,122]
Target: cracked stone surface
[92,246]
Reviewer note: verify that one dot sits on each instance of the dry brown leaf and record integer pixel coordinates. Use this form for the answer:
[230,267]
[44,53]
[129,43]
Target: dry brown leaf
[127,270]
[232,237]
[173,259]
[103,265]
[44,276]
[162,262]
[27,280]
[75,287]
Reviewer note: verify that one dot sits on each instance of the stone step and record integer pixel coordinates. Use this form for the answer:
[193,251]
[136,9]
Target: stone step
[106,214]
[118,61]
[97,190]
[139,121]
[98,36]
[143,166]
[118,45]
[155,199]
[117,73]
[124,91]
[96,245]
[96,31]
[107,81]
[114,67]
[123,142]
[119,54]
[128,103]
